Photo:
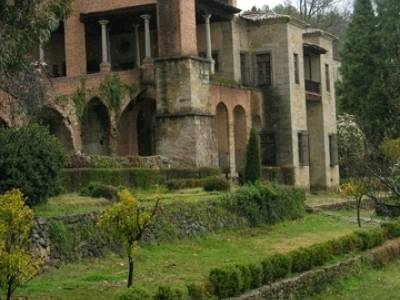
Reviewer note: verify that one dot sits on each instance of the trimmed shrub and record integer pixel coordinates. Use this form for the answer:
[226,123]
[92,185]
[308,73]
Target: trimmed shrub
[135,293]
[266,203]
[198,292]
[217,184]
[180,184]
[320,254]
[281,266]
[268,271]
[252,171]
[97,190]
[256,272]
[391,229]
[245,276]
[225,282]
[370,239]
[301,260]
[31,159]
[167,293]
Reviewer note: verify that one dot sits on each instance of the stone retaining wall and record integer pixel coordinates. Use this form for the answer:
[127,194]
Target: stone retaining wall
[315,280]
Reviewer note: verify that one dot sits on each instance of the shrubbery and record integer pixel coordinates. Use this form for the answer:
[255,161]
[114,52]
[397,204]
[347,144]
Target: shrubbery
[231,281]
[167,293]
[216,184]
[266,203]
[135,293]
[180,184]
[31,160]
[98,190]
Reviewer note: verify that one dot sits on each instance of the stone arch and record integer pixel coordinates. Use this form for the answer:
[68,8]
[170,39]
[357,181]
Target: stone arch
[136,129]
[223,137]
[240,133]
[96,128]
[55,122]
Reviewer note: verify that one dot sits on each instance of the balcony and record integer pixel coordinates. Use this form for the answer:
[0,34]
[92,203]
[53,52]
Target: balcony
[313,90]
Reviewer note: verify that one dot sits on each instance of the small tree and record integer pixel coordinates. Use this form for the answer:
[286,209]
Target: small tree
[357,189]
[31,159]
[129,222]
[17,265]
[252,171]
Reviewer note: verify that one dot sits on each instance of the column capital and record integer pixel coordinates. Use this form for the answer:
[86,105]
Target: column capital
[207,17]
[146,17]
[104,22]
[135,25]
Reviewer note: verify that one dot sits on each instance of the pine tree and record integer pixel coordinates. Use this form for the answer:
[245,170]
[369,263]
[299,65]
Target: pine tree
[252,171]
[358,68]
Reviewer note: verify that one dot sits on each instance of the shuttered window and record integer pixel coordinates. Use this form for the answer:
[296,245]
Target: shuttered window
[304,153]
[268,149]
[333,150]
[264,70]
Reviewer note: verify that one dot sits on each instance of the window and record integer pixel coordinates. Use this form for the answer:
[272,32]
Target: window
[268,148]
[304,153]
[264,70]
[244,68]
[333,150]
[327,78]
[296,69]
[215,57]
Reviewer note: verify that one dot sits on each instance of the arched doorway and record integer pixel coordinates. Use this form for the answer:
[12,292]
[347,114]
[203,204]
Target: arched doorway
[3,123]
[240,130]
[95,128]
[54,121]
[223,137]
[136,129]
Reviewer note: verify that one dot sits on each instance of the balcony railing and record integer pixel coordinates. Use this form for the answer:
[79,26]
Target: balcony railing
[313,87]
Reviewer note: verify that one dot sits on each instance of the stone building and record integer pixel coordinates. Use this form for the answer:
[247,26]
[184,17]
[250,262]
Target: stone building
[197,76]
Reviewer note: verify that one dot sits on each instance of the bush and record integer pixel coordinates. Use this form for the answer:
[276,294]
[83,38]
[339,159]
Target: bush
[179,184]
[31,160]
[370,238]
[167,293]
[217,184]
[256,272]
[266,203]
[320,254]
[392,229]
[252,171]
[268,271]
[135,293]
[98,190]
[245,277]
[301,260]
[226,282]
[198,292]
[281,266]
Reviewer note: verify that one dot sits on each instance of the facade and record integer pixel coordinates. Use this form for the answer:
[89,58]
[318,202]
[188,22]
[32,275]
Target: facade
[197,77]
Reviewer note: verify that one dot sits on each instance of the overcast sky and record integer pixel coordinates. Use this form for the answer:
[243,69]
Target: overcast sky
[246,4]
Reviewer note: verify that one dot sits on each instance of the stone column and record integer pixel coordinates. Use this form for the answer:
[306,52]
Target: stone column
[42,61]
[105,65]
[137,43]
[208,42]
[147,59]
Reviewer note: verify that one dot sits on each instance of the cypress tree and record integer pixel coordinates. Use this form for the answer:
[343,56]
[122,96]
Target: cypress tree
[358,67]
[252,171]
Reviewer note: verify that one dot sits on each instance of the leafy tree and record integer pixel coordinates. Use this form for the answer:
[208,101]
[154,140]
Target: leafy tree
[31,159]
[252,171]
[24,24]
[17,265]
[129,222]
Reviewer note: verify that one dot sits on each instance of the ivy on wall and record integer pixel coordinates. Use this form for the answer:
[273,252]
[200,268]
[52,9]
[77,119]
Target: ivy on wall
[113,90]
[79,98]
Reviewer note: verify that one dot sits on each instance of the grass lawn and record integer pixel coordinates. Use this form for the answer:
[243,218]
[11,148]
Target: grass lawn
[323,198]
[182,262]
[368,285]
[73,204]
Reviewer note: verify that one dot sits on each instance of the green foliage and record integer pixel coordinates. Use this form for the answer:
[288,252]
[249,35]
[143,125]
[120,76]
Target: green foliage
[267,271]
[113,89]
[217,184]
[256,272]
[17,265]
[198,292]
[252,171]
[79,98]
[179,184]
[31,160]
[266,203]
[245,278]
[281,266]
[167,293]
[98,190]
[135,293]
[62,239]
[226,282]
[391,229]
[370,239]
[302,260]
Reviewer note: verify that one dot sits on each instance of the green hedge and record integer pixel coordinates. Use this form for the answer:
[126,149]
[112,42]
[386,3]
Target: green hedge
[267,203]
[231,281]
[73,180]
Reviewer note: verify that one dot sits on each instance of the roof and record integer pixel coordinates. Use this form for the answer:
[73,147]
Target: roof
[319,32]
[271,16]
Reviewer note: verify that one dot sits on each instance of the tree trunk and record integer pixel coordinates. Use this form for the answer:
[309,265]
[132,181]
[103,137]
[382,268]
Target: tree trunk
[131,269]
[9,288]
[358,211]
